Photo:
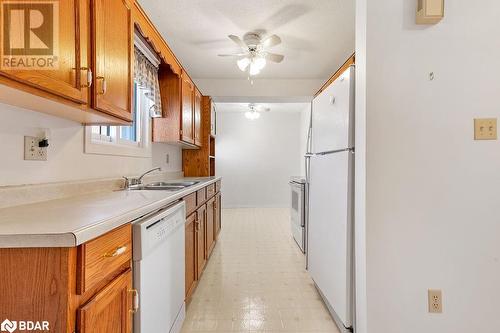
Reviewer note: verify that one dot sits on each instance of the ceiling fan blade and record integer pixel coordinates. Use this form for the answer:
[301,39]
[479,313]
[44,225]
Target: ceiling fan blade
[233,55]
[274,57]
[238,41]
[271,41]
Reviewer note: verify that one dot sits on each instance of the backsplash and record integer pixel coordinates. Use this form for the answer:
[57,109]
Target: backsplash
[26,194]
[66,161]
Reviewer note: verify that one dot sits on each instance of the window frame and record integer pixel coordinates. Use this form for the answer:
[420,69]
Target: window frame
[113,144]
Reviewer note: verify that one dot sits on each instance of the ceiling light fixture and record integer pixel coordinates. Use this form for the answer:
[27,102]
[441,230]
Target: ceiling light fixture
[252,115]
[254,55]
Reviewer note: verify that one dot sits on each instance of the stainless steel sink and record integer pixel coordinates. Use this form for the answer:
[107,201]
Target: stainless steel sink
[164,186]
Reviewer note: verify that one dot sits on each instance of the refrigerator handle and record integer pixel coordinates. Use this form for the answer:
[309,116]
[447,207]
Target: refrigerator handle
[309,132]
[307,161]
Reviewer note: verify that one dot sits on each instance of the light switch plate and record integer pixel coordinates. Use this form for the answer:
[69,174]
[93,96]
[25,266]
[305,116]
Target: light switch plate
[32,152]
[485,129]
[435,301]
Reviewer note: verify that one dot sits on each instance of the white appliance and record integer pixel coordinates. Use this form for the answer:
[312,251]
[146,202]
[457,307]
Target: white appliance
[158,256]
[298,211]
[330,175]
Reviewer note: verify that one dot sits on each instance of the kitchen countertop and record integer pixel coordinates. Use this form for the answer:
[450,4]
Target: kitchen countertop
[73,221]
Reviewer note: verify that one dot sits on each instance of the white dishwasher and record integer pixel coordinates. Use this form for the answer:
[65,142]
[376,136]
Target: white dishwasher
[159,270]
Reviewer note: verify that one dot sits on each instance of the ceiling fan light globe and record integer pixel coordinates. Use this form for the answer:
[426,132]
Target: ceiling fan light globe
[254,69]
[243,64]
[260,63]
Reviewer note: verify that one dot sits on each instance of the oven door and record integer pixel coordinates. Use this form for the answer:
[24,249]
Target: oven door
[297,214]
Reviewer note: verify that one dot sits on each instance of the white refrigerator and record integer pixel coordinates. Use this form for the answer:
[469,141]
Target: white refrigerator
[330,175]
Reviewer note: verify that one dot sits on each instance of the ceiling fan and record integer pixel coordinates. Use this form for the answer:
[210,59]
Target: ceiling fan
[254,112]
[255,55]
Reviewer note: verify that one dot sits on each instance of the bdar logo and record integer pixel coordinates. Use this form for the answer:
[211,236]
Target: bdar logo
[30,34]
[8,326]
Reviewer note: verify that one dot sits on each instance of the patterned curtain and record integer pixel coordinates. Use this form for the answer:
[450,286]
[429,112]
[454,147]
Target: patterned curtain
[146,77]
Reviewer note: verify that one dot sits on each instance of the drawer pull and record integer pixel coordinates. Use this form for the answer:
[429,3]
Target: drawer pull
[135,300]
[116,252]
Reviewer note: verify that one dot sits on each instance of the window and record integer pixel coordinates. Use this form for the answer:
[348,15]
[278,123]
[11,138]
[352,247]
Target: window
[124,140]
[133,140]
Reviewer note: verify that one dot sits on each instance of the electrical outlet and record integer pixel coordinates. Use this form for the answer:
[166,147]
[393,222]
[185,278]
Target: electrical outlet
[485,129]
[32,151]
[435,301]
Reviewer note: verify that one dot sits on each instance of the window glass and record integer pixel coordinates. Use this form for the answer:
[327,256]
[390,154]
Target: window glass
[132,133]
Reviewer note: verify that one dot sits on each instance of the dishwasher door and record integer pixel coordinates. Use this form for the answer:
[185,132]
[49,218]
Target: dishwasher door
[158,256]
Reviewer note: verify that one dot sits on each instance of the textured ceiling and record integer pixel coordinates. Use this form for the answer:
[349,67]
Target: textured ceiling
[318,35]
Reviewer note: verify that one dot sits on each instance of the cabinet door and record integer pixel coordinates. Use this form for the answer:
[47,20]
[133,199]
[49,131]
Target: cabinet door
[217,209]
[187,110]
[62,47]
[201,254]
[210,225]
[190,254]
[109,310]
[197,118]
[112,57]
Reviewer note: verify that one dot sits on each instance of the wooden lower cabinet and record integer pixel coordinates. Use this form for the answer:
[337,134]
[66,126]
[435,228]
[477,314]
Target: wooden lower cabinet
[191,240]
[201,239]
[217,209]
[202,229]
[40,284]
[109,310]
[210,225]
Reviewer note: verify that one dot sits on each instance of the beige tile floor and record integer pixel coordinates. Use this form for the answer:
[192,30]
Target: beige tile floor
[255,280]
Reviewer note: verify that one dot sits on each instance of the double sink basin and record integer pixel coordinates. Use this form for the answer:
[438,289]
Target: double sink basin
[164,186]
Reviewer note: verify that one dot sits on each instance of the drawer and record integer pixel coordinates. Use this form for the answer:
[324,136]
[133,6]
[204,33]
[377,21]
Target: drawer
[217,186]
[201,196]
[103,258]
[190,201]
[210,190]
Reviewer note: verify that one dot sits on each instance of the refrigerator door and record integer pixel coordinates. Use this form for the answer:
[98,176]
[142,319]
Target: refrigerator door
[333,115]
[330,254]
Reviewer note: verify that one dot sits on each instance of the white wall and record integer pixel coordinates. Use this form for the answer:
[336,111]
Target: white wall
[257,158]
[305,116]
[432,192]
[66,160]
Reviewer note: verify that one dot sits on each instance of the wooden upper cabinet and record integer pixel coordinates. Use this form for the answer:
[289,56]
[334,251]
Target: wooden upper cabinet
[197,118]
[187,93]
[109,311]
[65,44]
[112,57]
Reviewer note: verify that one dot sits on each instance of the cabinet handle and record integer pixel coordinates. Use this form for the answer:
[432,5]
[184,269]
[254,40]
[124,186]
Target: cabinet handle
[135,300]
[197,222]
[119,250]
[89,77]
[103,85]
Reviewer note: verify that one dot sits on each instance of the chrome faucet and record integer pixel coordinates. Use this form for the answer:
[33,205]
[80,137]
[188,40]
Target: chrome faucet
[129,182]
